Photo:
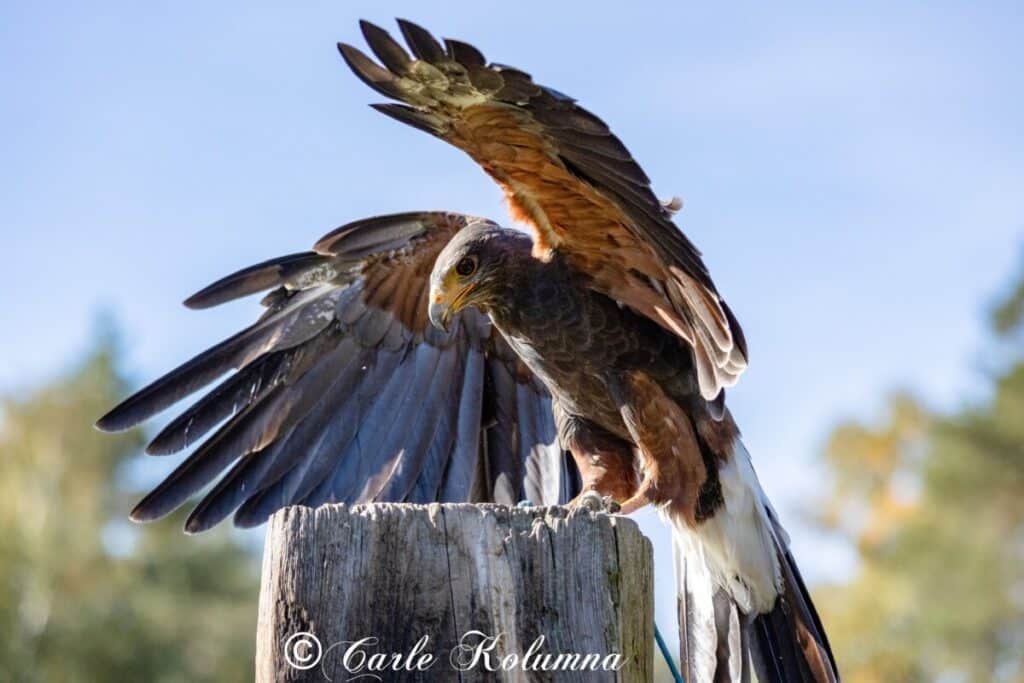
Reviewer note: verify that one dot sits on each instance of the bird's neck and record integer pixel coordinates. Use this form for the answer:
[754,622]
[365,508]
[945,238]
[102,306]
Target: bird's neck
[526,288]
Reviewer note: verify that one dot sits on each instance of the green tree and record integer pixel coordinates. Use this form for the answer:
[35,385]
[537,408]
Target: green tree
[935,506]
[84,594]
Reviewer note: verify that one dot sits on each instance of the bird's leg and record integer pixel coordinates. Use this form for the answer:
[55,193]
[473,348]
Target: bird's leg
[646,493]
[605,463]
[605,474]
[666,446]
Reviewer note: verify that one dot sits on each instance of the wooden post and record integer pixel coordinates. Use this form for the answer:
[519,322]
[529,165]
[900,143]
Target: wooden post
[454,593]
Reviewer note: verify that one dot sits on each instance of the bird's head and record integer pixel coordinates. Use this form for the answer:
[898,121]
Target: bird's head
[470,269]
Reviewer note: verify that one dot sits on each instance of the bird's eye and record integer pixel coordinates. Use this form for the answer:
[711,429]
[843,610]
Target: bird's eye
[466,266]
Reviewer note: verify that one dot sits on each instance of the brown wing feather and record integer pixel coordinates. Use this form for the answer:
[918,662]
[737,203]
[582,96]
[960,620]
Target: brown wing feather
[567,176]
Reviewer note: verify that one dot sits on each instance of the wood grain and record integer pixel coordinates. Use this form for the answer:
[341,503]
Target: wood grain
[398,572]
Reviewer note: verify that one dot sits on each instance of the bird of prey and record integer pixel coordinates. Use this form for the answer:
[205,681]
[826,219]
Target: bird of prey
[432,356]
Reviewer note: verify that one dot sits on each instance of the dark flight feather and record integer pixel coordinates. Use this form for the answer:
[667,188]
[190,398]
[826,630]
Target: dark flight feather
[421,42]
[464,53]
[258,278]
[388,51]
[234,394]
[343,392]
[411,117]
[182,381]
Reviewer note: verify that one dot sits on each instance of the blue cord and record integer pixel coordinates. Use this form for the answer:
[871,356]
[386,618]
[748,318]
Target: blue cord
[672,668]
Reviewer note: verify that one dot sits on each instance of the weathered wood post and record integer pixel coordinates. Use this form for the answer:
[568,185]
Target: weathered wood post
[454,593]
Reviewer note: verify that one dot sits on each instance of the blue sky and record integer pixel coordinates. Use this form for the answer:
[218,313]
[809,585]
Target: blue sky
[854,176]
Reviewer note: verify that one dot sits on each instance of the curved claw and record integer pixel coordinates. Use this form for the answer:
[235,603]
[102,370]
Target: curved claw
[595,502]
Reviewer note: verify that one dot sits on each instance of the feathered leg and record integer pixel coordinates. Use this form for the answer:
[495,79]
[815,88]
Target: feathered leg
[605,462]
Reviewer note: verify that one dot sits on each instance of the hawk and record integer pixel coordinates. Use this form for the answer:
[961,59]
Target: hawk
[432,356]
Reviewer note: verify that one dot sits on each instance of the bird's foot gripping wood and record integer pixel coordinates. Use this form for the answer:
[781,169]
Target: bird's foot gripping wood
[595,502]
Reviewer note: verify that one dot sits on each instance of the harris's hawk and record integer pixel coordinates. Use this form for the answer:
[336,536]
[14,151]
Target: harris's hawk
[434,356]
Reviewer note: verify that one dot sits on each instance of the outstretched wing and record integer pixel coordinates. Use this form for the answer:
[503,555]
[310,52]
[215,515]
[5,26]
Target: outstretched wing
[565,174]
[343,391]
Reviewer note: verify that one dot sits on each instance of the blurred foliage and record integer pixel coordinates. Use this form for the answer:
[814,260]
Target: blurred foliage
[85,595]
[935,506]
[1008,316]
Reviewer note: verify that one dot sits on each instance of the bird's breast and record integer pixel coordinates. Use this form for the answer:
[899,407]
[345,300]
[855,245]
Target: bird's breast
[572,341]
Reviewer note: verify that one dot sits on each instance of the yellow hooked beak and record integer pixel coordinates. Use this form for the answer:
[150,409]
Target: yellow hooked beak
[446,300]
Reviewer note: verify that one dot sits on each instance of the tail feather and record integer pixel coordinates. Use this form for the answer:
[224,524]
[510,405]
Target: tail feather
[812,621]
[732,656]
[743,607]
[698,627]
[792,636]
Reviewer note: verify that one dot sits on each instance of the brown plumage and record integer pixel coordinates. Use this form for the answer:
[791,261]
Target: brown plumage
[602,334]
